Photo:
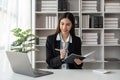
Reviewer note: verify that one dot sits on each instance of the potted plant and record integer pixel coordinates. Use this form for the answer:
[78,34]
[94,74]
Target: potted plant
[24,42]
[22,45]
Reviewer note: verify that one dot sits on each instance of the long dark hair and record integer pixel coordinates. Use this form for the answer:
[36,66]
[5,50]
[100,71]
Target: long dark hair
[71,18]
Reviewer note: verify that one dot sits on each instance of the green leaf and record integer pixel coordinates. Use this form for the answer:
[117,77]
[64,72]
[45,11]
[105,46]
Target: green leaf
[24,40]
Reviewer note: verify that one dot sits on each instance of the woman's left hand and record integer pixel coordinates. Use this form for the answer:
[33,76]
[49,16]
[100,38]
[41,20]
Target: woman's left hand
[78,61]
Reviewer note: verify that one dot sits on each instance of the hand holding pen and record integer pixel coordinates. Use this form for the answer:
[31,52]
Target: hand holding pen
[62,52]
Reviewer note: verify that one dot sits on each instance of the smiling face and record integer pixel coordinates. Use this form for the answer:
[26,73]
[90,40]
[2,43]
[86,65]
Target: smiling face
[65,26]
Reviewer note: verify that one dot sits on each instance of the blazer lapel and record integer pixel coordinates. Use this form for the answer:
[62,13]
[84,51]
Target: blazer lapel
[70,48]
[57,45]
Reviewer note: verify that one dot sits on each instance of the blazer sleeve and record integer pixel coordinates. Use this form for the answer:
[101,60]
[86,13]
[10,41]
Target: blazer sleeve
[52,58]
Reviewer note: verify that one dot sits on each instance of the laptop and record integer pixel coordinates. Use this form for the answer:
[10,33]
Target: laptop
[20,64]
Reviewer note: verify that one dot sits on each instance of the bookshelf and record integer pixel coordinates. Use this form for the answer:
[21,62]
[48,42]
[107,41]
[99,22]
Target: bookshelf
[112,19]
[96,24]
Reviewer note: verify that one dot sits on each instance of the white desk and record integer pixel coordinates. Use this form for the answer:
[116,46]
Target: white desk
[64,75]
[7,74]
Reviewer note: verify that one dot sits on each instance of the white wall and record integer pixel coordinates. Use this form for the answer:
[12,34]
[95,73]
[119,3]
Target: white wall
[24,13]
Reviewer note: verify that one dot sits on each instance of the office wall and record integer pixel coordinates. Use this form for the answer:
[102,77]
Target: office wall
[24,13]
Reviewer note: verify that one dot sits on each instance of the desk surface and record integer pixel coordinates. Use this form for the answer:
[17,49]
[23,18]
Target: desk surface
[64,75]
[7,74]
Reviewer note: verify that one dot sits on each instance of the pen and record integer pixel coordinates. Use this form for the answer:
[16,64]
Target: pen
[57,49]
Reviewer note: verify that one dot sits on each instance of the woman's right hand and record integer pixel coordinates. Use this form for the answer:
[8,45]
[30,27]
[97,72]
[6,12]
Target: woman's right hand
[62,53]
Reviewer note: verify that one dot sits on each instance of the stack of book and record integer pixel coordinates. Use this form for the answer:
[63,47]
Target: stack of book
[42,41]
[90,38]
[89,6]
[76,32]
[76,21]
[85,21]
[50,22]
[112,7]
[96,21]
[38,5]
[92,21]
[48,5]
[62,5]
[109,38]
[111,22]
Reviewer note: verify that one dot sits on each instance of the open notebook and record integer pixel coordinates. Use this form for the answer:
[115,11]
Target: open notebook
[71,57]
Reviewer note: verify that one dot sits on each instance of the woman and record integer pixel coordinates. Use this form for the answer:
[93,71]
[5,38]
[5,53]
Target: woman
[61,44]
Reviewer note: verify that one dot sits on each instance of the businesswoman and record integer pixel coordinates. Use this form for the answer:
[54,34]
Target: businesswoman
[61,44]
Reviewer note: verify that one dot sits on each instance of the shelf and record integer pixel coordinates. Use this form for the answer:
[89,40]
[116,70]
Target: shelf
[68,11]
[112,45]
[92,18]
[40,45]
[85,12]
[112,12]
[112,61]
[40,61]
[93,45]
[45,12]
[92,28]
[43,29]
[111,28]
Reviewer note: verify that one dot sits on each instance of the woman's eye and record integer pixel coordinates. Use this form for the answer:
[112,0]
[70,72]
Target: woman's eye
[62,23]
[68,24]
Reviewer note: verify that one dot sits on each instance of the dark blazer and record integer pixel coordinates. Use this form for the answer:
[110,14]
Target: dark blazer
[53,57]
